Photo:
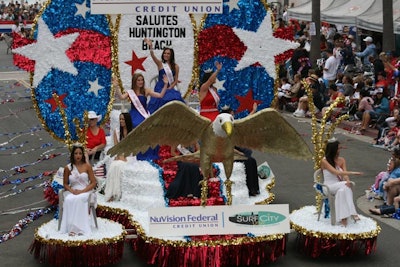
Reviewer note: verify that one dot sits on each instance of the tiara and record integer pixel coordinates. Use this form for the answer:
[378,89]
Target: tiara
[226,107]
[77,144]
[209,70]
[332,140]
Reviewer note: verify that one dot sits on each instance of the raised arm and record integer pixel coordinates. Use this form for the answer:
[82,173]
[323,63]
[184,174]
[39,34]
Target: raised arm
[204,87]
[151,93]
[153,56]
[118,92]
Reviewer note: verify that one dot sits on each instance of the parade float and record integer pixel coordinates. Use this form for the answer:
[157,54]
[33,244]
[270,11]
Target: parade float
[73,55]
[321,236]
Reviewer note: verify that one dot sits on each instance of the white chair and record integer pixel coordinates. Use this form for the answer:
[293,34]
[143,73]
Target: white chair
[92,206]
[323,190]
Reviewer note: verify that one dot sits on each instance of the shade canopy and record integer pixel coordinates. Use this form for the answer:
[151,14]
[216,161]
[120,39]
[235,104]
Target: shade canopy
[366,14]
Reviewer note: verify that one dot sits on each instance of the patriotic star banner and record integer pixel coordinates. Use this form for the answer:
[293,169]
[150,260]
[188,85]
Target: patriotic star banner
[242,39]
[70,58]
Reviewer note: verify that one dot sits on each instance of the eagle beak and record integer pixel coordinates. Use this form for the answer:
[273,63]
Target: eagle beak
[228,128]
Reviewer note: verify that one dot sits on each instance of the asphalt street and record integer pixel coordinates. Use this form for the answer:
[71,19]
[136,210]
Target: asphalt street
[28,153]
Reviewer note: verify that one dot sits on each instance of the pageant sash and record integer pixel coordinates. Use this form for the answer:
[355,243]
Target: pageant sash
[168,72]
[214,95]
[136,102]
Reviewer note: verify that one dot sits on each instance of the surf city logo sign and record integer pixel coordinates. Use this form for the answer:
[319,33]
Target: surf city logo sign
[216,220]
[257,218]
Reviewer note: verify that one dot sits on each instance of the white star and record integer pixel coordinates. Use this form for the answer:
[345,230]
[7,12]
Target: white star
[233,4]
[262,46]
[48,52]
[219,84]
[95,87]
[81,9]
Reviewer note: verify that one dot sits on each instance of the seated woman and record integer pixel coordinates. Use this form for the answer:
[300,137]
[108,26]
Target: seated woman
[186,182]
[95,136]
[292,94]
[389,134]
[303,105]
[336,177]
[366,103]
[333,95]
[392,170]
[79,181]
[381,109]
[112,189]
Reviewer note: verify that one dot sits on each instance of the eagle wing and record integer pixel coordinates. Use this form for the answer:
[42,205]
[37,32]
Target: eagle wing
[195,157]
[173,124]
[268,131]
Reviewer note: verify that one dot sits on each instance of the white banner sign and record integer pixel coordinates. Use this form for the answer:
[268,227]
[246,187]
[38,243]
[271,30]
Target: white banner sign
[156,7]
[217,220]
[172,31]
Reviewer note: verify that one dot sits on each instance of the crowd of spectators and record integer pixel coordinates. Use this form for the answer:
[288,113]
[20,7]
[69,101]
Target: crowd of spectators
[366,77]
[18,11]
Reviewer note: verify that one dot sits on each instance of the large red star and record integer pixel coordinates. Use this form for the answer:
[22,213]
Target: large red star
[246,102]
[136,62]
[53,102]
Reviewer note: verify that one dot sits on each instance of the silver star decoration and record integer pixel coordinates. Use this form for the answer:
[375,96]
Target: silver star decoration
[219,84]
[48,52]
[81,9]
[95,87]
[262,46]
[233,4]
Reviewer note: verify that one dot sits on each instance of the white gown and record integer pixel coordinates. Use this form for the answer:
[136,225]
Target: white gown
[113,181]
[344,204]
[76,217]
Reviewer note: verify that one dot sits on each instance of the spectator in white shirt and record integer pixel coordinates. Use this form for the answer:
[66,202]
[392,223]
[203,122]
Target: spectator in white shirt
[330,68]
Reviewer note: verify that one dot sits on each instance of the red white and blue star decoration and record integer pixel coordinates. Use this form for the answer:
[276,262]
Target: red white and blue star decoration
[70,56]
[242,39]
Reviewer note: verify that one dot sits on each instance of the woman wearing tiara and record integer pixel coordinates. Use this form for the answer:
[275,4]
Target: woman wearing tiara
[78,181]
[208,95]
[139,112]
[166,67]
[336,177]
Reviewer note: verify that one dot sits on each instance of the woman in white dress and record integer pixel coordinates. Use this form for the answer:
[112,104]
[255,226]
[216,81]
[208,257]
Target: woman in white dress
[79,181]
[112,190]
[336,177]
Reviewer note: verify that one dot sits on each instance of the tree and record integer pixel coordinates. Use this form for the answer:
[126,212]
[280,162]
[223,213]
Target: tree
[388,43]
[315,51]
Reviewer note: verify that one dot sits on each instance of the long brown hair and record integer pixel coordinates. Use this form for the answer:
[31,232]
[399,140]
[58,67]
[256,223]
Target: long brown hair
[134,79]
[331,152]
[71,157]
[128,125]
[171,59]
